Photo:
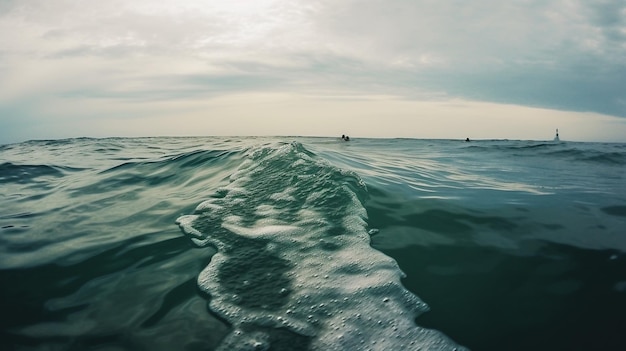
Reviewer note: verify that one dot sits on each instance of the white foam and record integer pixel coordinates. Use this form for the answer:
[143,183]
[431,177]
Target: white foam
[306,272]
[207,206]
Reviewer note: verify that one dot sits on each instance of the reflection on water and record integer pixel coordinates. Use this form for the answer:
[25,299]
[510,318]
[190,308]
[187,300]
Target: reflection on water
[514,245]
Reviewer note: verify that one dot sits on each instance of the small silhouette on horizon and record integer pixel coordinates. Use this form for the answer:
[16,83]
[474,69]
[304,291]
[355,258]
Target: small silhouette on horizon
[345,137]
[556,138]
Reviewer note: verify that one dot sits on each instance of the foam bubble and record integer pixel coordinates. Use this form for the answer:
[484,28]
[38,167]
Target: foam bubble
[294,268]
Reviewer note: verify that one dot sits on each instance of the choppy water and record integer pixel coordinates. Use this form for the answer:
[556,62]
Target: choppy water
[312,244]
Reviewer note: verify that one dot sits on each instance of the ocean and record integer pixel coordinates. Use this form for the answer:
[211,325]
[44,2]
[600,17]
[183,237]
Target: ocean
[303,243]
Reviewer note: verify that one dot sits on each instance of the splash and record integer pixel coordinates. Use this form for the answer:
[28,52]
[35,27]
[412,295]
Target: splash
[294,269]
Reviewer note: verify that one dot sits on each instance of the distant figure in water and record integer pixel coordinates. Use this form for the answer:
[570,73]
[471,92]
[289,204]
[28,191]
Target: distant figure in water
[345,138]
[556,138]
[467,139]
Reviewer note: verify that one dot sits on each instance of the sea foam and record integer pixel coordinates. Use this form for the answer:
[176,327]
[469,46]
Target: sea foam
[294,269]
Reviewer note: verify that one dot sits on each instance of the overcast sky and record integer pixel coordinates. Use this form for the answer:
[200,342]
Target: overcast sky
[370,68]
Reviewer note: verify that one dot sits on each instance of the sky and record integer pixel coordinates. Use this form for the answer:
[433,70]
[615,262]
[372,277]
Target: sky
[483,69]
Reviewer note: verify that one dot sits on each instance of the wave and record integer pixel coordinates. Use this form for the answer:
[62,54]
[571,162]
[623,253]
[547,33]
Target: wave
[16,173]
[294,268]
[608,154]
[578,154]
[170,170]
[91,258]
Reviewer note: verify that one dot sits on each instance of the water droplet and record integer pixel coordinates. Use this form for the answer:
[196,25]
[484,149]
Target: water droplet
[373,231]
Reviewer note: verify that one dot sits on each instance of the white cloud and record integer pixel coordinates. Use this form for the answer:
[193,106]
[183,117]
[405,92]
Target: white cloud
[70,55]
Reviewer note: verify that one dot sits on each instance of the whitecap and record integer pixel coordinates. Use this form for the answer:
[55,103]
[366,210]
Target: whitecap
[294,267]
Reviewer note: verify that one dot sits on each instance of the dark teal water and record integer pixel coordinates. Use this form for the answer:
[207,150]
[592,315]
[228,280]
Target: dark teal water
[292,244]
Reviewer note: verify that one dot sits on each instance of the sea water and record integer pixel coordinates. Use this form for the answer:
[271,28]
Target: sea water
[299,243]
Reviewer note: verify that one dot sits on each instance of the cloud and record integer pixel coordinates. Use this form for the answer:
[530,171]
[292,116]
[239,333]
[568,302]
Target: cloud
[561,55]
[548,54]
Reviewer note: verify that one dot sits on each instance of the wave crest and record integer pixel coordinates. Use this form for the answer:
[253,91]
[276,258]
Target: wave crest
[294,266]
